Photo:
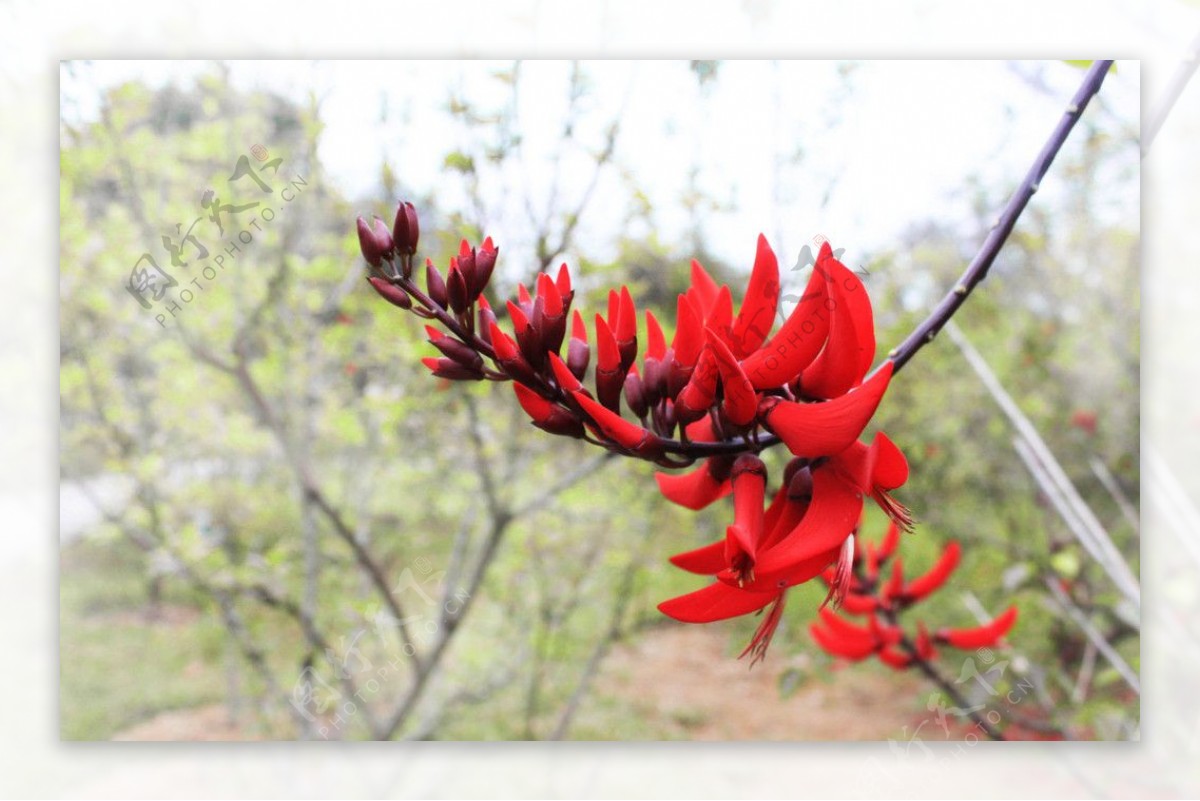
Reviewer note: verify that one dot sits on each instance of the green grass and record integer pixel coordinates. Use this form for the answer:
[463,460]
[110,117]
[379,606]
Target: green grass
[118,668]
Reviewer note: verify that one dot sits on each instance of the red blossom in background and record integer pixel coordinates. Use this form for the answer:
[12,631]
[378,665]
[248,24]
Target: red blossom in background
[879,596]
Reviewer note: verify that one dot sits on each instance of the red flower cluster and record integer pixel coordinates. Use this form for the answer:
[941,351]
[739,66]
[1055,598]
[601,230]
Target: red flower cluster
[721,383]
[880,600]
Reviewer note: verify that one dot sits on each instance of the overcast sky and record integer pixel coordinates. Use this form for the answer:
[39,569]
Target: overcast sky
[882,144]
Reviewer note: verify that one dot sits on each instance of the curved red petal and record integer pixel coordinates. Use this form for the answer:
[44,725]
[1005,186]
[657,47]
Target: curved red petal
[741,402]
[796,343]
[715,602]
[890,542]
[895,658]
[853,650]
[694,490]
[689,333]
[891,467]
[832,514]
[578,329]
[851,346]
[567,381]
[534,404]
[720,316]
[704,288]
[936,576]
[757,315]
[707,560]
[656,343]
[608,358]
[612,425]
[980,636]
[827,428]
[551,297]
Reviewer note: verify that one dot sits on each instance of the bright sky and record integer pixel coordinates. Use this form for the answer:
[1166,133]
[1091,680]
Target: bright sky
[890,144]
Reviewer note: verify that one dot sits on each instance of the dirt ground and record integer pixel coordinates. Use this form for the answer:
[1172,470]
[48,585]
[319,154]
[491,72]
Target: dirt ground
[687,680]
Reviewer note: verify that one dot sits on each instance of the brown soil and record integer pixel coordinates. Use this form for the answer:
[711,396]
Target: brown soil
[202,724]
[686,680]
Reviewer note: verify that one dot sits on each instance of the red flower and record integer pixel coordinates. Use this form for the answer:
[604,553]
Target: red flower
[881,603]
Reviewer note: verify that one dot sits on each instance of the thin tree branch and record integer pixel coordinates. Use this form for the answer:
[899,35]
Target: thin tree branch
[1093,634]
[977,270]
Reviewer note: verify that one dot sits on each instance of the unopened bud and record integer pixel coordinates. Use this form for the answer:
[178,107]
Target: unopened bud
[434,284]
[405,231]
[367,243]
[383,238]
[391,293]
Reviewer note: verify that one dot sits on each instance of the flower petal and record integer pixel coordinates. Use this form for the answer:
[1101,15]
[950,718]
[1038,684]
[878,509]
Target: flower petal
[851,347]
[704,289]
[833,514]
[827,428]
[936,576]
[796,343]
[757,315]
[707,560]
[980,636]
[740,401]
[715,602]
[700,487]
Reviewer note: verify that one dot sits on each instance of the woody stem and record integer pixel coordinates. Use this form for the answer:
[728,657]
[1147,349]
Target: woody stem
[935,676]
[944,684]
[977,270]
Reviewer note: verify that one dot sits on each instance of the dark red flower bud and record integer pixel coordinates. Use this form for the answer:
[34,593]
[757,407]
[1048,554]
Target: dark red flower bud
[546,415]
[528,337]
[368,244]
[686,347]
[454,349]
[625,329]
[553,324]
[633,393]
[694,400]
[609,378]
[391,293]
[383,238]
[578,352]
[406,230]
[456,288]
[613,427]
[486,318]
[563,282]
[566,379]
[466,263]
[435,285]
[508,356]
[485,262]
[448,368]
